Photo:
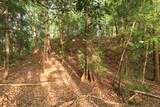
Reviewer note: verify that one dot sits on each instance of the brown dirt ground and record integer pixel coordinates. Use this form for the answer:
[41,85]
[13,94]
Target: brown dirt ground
[63,87]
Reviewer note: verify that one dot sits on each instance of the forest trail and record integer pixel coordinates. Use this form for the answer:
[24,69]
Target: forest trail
[79,53]
[56,86]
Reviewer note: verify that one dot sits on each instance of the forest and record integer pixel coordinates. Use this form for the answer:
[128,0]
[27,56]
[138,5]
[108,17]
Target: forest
[79,53]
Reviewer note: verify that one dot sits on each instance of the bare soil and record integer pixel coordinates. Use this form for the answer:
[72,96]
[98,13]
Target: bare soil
[56,85]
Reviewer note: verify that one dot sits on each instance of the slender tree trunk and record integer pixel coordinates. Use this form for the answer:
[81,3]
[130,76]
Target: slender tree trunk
[145,63]
[122,57]
[153,59]
[61,40]
[155,53]
[86,41]
[61,33]
[1,49]
[88,74]
[116,27]
[47,46]
[34,37]
[7,46]
[157,71]
[126,64]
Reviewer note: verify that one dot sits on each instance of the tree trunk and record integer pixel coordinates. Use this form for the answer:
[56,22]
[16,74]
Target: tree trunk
[155,53]
[122,57]
[61,39]
[1,49]
[34,37]
[7,46]
[60,30]
[47,46]
[145,63]
[157,72]
[126,64]
[88,74]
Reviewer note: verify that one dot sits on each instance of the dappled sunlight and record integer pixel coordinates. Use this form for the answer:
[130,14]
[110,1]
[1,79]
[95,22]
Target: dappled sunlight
[67,80]
[79,53]
[53,86]
[48,71]
[8,96]
[57,84]
[35,51]
[43,77]
[29,75]
[48,62]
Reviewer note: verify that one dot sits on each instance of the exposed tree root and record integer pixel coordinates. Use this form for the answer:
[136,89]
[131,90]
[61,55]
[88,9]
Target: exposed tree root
[88,76]
[32,84]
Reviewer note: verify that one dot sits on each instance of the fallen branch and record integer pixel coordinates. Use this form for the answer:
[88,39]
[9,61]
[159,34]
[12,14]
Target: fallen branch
[145,93]
[96,97]
[108,102]
[133,96]
[31,84]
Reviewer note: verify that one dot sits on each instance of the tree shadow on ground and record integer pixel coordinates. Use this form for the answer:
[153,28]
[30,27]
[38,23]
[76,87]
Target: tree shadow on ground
[105,95]
[62,88]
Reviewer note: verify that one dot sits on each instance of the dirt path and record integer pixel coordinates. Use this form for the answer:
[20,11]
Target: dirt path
[56,86]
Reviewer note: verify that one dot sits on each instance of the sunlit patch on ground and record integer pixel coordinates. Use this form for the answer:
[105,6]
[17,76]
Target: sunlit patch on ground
[61,87]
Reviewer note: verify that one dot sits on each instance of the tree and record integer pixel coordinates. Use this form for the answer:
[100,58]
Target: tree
[47,47]
[7,44]
[87,7]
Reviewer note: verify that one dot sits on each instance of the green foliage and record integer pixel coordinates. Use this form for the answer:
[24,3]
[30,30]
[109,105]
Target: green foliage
[133,81]
[112,48]
[98,66]
[34,105]
[20,57]
[2,58]
[140,87]
[81,58]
